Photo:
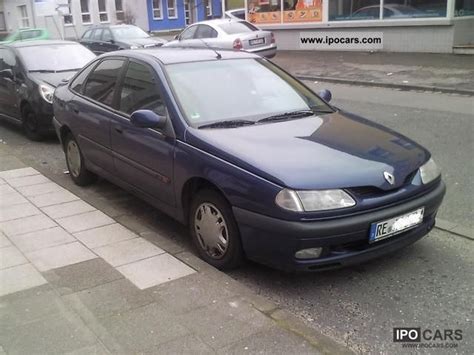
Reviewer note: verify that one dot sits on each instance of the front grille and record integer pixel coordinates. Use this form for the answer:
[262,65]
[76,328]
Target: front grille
[372,191]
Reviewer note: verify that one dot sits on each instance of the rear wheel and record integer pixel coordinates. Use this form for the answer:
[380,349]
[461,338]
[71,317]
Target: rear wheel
[214,230]
[30,124]
[75,163]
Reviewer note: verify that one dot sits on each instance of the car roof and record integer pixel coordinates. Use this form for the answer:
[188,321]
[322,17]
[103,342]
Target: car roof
[110,26]
[45,42]
[219,21]
[174,55]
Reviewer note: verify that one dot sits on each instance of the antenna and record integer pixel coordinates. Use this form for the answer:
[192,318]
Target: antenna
[218,55]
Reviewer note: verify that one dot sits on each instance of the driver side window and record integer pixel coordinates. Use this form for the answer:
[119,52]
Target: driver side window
[140,91]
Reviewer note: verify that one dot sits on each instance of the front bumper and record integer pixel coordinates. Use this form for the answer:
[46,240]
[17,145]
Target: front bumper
[345,241]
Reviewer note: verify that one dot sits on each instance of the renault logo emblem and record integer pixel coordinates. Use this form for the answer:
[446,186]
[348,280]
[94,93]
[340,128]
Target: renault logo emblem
[389,177]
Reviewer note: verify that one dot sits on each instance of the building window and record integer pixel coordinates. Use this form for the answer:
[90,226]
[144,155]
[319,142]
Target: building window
[344,10]
[24,20]
[103,15]
[157,15]
[208,8]
[394,9]
[172,9]
[85,13]
[68,19]
[119,13]
[464,8]
[3,25]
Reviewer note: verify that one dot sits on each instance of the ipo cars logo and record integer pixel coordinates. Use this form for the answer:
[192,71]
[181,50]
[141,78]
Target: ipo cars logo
[428,338]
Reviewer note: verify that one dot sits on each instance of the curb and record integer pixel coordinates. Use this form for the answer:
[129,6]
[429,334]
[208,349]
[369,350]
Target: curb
[454,228]
[405,87]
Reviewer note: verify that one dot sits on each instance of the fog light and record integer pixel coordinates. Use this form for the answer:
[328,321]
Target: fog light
[311,253]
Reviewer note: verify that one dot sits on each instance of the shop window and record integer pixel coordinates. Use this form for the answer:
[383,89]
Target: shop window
[394,9]
[208,4]
[464,8]
[346,10]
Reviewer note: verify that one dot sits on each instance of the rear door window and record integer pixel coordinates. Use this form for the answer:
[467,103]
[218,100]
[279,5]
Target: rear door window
[140,91]
[106,36]
[102,82]
[204,31]
[97,34]
[78,82]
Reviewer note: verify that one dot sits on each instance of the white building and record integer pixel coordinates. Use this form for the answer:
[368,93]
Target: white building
[70,18]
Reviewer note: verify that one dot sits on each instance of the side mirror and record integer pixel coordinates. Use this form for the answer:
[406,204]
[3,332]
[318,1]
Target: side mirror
[6,74]
[325,95]
[111,41]
[147,119]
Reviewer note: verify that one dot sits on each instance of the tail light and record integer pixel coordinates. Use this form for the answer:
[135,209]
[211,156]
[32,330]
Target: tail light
[237,44]
[273,37]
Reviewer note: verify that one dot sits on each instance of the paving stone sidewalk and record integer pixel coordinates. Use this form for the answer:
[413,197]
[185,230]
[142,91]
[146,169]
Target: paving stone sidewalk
[429,70]
[73,280]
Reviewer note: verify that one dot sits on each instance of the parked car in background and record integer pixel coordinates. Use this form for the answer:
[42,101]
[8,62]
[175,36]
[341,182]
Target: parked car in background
[248,156]
[27,34]
[105,38]
[29,73]
[227,34]
[236,14]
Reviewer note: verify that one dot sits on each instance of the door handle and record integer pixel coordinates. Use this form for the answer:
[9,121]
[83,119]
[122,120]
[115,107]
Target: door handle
[74,109]
[118,130]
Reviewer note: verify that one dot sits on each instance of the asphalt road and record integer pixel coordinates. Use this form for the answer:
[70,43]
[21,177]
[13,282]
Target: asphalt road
[428,285]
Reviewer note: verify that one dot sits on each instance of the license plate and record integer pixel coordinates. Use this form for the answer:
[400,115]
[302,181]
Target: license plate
[255,42]
[390,227]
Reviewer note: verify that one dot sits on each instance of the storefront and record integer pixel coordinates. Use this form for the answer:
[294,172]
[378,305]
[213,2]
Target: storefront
[403,25]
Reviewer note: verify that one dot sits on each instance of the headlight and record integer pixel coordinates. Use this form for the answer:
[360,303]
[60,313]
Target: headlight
[429,171]
[134,47]
[310,201]
[46,92]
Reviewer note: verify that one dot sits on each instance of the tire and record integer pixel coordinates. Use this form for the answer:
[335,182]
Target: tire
[30,124]
[75,163]
[211,221]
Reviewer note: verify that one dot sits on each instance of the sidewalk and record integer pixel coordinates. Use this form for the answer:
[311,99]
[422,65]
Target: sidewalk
[412,71]
[73,280]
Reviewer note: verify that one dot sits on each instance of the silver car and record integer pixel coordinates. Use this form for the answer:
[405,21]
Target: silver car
[227,34]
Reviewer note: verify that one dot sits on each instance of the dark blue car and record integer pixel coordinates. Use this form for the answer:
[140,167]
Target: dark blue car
[251,159]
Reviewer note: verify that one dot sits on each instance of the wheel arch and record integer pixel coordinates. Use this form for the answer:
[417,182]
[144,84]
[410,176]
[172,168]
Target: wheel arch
[191,187]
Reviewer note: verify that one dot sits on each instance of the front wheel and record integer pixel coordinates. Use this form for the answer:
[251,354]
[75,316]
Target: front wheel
[75,163]
[214,230]
[30,124]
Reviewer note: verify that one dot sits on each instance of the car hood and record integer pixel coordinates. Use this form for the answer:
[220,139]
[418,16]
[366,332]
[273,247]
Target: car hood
[140,42]
[53,79]
[338,150]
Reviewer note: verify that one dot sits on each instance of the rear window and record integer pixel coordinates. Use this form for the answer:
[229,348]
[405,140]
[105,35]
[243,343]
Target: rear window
[237,27]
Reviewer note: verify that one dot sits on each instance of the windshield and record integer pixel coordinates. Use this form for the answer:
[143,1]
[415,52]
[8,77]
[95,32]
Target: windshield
[55,57]
[233,27]
[250,89]
[129,32]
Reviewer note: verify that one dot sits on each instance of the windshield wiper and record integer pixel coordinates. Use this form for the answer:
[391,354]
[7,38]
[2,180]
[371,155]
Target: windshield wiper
[317,109]
[287,115]
[228,124]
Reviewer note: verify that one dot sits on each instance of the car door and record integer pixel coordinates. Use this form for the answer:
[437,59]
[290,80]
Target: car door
[86,39]
[107,41]
[9,103]
[207,34]
[143,156]
[95,43]
[92,111]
